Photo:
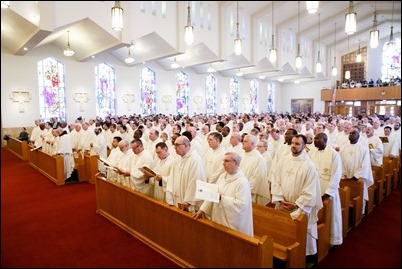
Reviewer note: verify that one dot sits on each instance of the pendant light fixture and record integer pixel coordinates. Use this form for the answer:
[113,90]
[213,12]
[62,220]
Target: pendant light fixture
[175,64]
[391,43]
[117,16]
[318,65]
[237,41]
[211,69]
[350,20]
[68,51]
[359,55]
[5,4]
[129,59]
[299,61]
[312,6]
[334,69]
[189,29]
[239,73]
[375,33]
[347,72]
[272,51]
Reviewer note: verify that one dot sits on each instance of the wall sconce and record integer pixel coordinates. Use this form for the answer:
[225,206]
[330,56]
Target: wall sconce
[117,16]
[128,98]
[81,98]
[167,99]
[20,96]
[197,99]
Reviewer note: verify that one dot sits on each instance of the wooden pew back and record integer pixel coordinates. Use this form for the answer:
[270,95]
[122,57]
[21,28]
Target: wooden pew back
[378,175]
[344,196]
[289,235]
[176,234]
[18,148]
[324,229]
[356,199]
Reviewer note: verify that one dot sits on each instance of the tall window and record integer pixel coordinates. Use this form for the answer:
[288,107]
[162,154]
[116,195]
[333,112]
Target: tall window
[391,65]
[148,91]
[210,94]
[52,99]
[253,96]
[270,97]
[105,78]
[182,93]
[234,95]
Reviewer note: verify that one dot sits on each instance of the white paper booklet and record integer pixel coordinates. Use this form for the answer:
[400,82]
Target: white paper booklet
[207,191]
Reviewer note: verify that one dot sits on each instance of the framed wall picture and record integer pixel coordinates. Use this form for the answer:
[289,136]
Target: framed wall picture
[302,105]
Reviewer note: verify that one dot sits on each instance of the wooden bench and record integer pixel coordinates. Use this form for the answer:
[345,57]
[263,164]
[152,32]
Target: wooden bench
[87,167]
[356,200]
[388,175]
[50,166]
[394,170]
[176,234]
[378,175]
[18,148]
[344,196]
[289,235]
[324,230]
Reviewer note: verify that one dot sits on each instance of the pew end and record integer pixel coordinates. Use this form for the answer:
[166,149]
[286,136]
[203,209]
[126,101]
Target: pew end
[324,230]
[344,196]
[356,200]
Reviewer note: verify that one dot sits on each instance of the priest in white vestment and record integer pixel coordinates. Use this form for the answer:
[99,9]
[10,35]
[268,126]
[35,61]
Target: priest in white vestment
[141,158]
[113,159]
[295,188]
[99,147]
[234,209]
[123,166]
[329,168]
[375,146]
[63,147]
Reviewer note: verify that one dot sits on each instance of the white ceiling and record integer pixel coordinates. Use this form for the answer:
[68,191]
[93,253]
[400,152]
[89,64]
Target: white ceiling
[18,31]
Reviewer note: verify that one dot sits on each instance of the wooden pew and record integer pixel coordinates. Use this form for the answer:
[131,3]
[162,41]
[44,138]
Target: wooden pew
[356,199]
[324,229]
[18,148]
[378,175]
[388,175]
[176,234]
[344,196]
[50,166]
[289,235]
[87,168]
[394,169]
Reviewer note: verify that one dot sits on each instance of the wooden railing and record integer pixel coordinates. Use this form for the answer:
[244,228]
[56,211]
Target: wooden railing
[50,166]
[18,147]
[176,234]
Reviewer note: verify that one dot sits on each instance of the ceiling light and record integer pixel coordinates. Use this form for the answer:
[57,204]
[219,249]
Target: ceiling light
[281,79]
[175,64]
[237,41]
[239,73]
[68,51]
[272,51]
[189,29]
[129,59]
[117,16]
[299,61]
[347,72]
[359,55]
[297,81]
[318,65]
[211,69]
[334,69]
[350,20]
[5,4]
[261,76]
[312,6]
[375,33]
[391,43]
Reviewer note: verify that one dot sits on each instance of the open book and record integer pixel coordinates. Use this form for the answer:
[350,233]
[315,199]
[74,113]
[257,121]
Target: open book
[207,191]
[147,171]
[38,147]
[103,160]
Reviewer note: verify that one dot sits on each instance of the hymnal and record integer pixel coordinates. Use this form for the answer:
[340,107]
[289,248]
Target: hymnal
[147,171]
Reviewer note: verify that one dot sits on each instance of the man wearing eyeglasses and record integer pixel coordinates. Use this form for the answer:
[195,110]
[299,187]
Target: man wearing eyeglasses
[186,170]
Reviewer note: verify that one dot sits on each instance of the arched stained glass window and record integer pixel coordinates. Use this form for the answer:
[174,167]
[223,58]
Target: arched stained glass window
[210,94]
[148,92]
[391,63]
[254,96]
[234,95]
[182,93]
[52,99]
[105,78]
[270,97]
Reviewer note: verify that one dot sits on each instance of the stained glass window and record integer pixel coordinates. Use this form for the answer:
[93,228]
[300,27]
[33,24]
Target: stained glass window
[148,82]
[182,93]
[105,77]
[270,97]
[210,94]
[254,96]
[52,99]
[391,63]
[234,95]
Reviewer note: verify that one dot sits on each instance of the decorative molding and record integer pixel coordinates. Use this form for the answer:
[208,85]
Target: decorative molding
[167,99]
[81,98]
[128,98]
[20,96]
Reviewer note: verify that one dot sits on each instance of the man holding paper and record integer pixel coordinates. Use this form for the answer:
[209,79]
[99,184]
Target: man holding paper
[234,207]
